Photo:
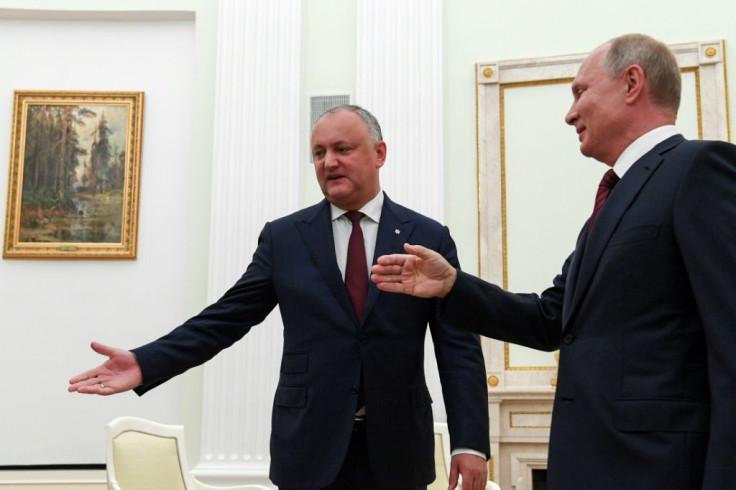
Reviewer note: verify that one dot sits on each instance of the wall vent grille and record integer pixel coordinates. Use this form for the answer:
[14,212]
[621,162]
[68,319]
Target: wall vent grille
[319,104]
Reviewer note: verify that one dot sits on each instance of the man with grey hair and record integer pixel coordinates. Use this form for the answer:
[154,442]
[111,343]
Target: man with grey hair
[352,409]
[644,310]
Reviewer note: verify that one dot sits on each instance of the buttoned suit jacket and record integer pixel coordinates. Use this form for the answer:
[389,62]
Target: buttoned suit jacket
[326,347]
[644,315]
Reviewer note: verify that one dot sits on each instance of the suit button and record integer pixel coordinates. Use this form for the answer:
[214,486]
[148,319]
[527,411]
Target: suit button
[353,390]
[363,339]
[568,338]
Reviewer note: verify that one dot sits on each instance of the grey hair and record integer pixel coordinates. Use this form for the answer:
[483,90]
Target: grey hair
[371,123]
[656,60]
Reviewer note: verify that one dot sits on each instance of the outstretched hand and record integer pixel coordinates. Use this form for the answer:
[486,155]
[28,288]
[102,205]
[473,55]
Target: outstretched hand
[423,272]
[121,372]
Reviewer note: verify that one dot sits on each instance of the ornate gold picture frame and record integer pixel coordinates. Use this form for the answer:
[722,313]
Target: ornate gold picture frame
[74,175]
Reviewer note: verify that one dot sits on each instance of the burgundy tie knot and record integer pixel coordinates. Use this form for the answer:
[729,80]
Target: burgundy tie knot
[354,216]
[604,189]
[356,267]
[609,180]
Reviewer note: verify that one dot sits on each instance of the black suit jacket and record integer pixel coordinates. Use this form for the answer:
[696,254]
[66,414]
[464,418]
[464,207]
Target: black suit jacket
[644,315]
[326,347]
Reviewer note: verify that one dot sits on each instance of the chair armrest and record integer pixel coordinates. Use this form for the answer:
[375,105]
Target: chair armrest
[198,485]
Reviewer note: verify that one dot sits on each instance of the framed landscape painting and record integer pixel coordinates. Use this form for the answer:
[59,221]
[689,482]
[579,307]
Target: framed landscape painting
[74,175]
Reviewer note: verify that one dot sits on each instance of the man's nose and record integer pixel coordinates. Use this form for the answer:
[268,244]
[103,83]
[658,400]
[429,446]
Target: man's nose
[331,160]
[572,115]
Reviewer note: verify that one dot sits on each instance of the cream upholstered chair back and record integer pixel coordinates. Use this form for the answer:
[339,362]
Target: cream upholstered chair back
[145,455]
[442,460]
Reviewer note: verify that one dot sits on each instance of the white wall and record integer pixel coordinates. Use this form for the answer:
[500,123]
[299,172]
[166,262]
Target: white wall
[328,68]
[492,30]
[50,310]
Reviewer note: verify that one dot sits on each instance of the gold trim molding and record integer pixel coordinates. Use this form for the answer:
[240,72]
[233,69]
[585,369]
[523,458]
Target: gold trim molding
[540,412]
[705,60]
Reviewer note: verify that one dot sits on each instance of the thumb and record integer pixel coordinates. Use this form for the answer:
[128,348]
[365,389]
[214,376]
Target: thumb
[103,349]
[418,250]
[454,474]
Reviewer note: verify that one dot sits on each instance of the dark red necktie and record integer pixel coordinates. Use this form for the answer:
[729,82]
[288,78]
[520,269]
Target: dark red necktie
[356,269]
[604,189]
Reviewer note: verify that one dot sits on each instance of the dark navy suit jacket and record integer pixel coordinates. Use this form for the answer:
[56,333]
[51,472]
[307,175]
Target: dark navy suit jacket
[644,315]
[325,348]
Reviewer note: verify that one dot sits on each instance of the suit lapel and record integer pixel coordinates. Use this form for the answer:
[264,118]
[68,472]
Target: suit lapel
[572,275]
[316,231]
[394,230]
[591,249]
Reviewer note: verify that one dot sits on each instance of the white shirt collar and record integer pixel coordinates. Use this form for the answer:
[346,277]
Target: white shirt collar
[371,209]
[640,146]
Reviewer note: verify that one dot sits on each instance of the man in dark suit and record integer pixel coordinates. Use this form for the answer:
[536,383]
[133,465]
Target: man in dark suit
[644,310]
[352,409]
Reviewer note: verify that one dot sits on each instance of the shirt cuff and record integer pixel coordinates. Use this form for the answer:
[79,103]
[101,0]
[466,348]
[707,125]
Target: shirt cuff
[465,450]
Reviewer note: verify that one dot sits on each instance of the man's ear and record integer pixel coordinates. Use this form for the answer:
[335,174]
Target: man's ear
[380,153]
[635,83]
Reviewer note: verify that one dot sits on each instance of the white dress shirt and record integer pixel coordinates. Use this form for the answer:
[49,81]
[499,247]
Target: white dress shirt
[342,228]
[640,146]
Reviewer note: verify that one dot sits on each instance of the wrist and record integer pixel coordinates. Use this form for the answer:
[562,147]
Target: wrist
[449,282]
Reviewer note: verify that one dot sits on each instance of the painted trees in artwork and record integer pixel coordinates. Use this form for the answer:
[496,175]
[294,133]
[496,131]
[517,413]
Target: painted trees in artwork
[72,169]
[51,154]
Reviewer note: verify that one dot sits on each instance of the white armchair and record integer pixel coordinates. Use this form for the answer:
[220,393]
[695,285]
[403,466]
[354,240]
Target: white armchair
[442,460]
[145,455]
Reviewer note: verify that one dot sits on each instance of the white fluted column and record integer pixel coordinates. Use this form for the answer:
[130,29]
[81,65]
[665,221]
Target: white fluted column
[254,179]
[399,79]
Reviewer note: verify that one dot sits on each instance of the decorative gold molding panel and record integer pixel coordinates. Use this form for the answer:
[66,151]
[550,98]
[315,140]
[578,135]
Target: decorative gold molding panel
[535,190]
[509,132]
[530,420]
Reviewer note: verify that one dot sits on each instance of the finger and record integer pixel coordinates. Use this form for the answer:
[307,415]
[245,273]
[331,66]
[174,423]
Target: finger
[386,269]
[393,269]
[393,259]
[87,375]
[452,484]
[99,388]
[418,250]
[391,287]
[86,384]
[93,373]
[103,349]
[453,477]
[384,277]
